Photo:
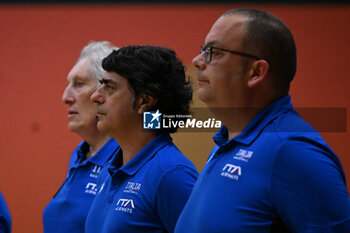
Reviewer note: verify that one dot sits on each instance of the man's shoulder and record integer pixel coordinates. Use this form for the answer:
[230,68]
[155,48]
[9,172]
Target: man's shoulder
[291,122]
[291,134]
[170,157]
[292,130]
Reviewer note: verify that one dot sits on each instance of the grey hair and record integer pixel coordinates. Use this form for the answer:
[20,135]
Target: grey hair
[95,51]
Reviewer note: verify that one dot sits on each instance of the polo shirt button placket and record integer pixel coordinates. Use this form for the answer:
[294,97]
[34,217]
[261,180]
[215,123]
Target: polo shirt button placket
[214,159]
[115,185]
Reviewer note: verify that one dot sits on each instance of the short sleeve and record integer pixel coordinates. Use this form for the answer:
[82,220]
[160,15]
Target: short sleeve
[309,190]
[173,193]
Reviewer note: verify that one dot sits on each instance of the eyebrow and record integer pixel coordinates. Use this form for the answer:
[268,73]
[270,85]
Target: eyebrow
[107,81]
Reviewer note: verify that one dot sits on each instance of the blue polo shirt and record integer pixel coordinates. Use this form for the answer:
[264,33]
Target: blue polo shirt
[145,195]
[277,174]
[5,217]
[67,210]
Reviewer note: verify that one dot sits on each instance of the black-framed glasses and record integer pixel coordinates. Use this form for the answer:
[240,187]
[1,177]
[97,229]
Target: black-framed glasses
[208,52]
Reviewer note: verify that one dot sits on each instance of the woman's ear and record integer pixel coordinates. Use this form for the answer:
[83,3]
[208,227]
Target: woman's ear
[258,72]
[145,102]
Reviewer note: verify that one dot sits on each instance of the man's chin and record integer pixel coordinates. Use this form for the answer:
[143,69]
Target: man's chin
[101,126]
[73,127]
[202,95]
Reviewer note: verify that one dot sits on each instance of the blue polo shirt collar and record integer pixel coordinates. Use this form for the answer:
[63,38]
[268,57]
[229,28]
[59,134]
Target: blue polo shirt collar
[146,154]
[259,122]
[99,158]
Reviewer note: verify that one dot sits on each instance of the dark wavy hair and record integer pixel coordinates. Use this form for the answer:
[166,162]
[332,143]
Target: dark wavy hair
[154,71]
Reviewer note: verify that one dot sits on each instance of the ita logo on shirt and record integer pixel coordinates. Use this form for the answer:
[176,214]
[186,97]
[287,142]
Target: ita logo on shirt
[125,205]
[231,171]
[91,188]
[152,120]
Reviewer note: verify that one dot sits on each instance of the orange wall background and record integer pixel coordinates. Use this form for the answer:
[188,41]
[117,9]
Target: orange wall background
[40,44]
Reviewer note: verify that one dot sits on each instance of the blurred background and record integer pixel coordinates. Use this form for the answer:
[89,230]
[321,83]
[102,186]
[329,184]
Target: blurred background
[41,42]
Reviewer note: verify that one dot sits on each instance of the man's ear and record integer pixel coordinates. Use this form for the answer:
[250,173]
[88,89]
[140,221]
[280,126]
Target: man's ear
[145,102]
[258,73]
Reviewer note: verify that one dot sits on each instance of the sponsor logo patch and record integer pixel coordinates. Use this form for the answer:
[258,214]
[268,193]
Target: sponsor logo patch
[231,171]
[91,188]
[243,155]
[132,187]
[125,205]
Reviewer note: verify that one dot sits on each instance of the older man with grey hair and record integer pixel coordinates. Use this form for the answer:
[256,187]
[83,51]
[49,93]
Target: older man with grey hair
[67,210]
